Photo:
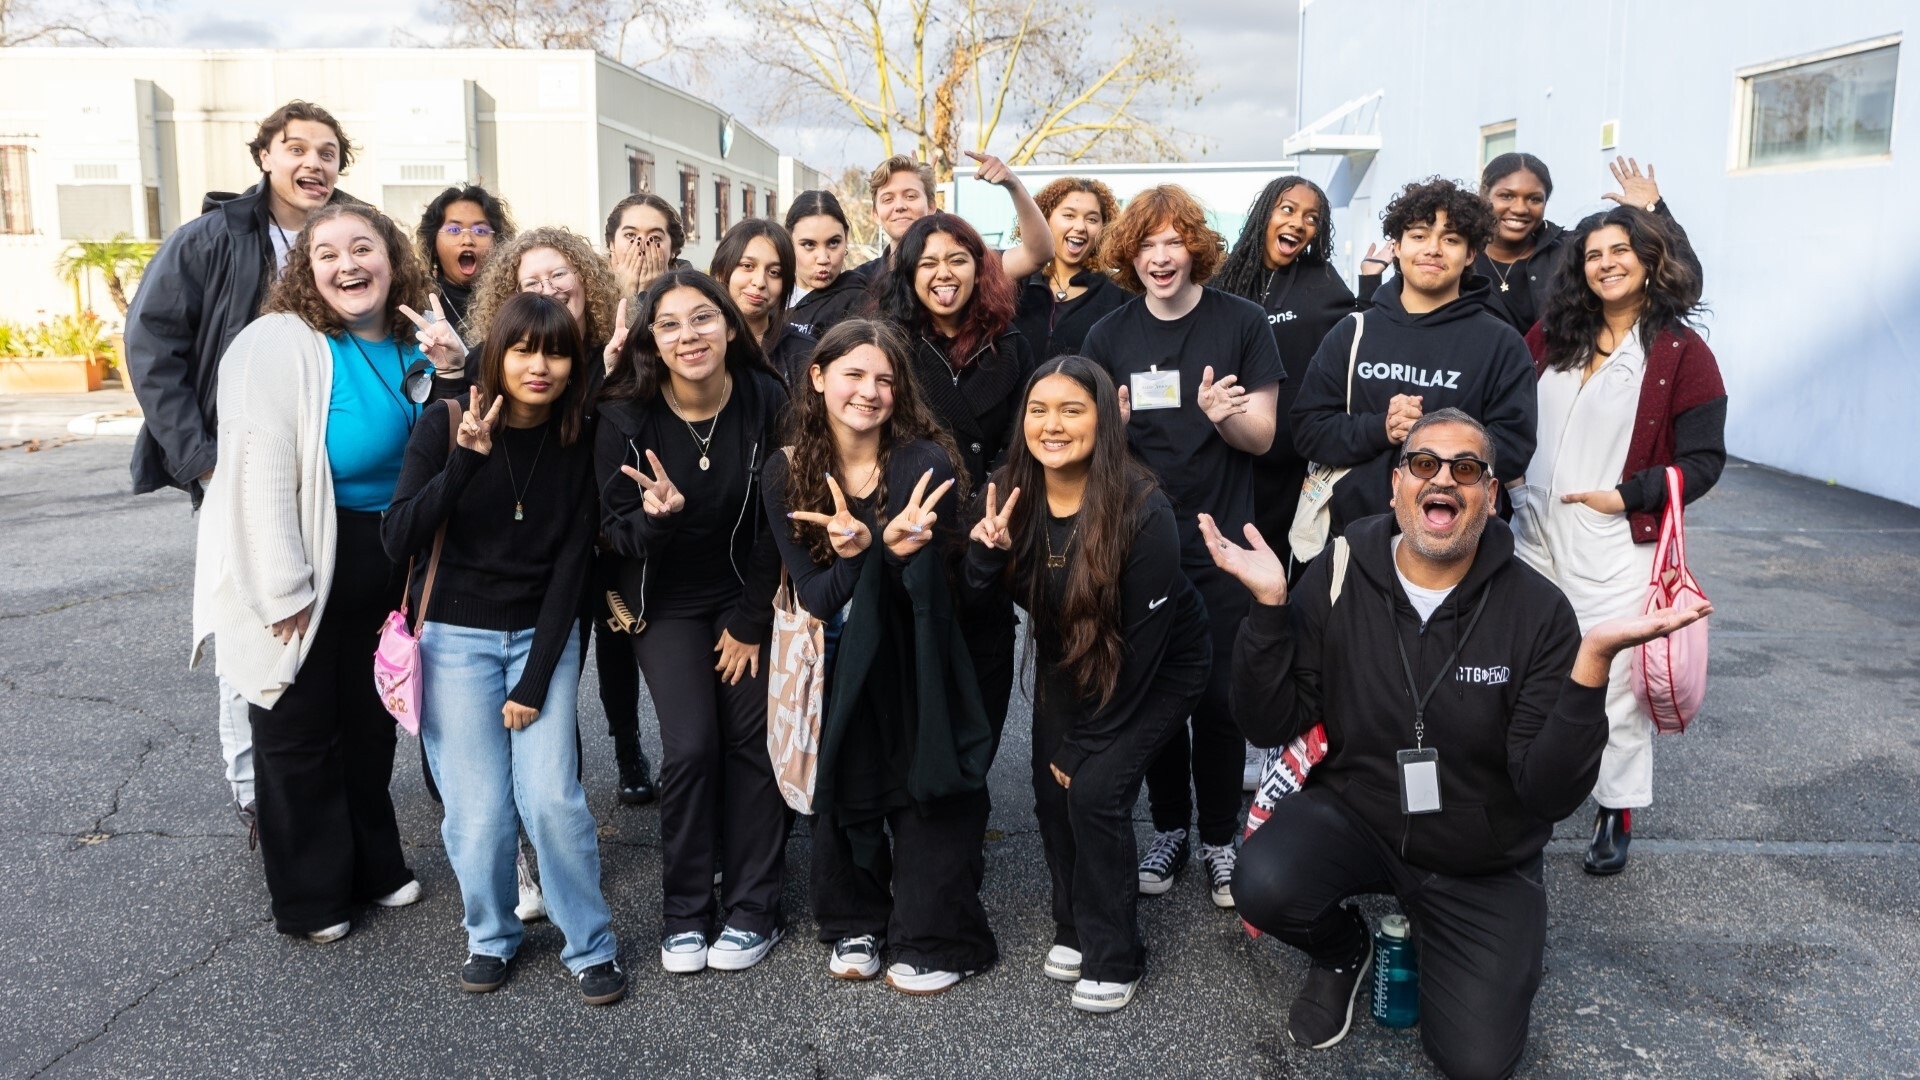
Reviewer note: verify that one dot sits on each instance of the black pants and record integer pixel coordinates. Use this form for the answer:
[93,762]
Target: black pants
[1087,831]
[924,899]
[323,755]
[990,632]
[613,653]
[1480,938]
[1215,755]
[716,781]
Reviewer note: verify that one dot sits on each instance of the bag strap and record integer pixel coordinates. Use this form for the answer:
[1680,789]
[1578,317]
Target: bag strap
[1676,515]
[1342,554]
[1353,355]
[440,536]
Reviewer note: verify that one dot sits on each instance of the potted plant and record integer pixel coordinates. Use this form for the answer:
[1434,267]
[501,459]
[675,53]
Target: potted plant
[67,355]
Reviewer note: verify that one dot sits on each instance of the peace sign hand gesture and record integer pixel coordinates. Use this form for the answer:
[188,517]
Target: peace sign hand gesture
[992,530]
[611,353]
[437,338]
[661,498]
[1221,400]
[1260,569]
[848,534]
[476,431]
[913,528]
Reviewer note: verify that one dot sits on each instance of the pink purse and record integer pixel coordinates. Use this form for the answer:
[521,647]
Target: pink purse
[1670,674]
[396,661]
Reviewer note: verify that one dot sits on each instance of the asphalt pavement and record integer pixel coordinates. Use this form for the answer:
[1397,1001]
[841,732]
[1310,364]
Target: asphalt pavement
[1766,927]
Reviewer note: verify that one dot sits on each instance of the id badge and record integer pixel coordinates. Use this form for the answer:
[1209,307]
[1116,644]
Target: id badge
[1155,389]
[1419,781]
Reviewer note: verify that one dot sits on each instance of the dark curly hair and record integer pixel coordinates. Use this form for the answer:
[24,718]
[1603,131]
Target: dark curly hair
[295,290]
[809,434]
[987,313]
[1422,201]
[639,372]
[1244,267]
[1056,192]
[435,214]
[1166,206]
[1573,317]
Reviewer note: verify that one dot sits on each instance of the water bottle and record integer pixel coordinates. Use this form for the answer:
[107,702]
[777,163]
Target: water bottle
[1396,975]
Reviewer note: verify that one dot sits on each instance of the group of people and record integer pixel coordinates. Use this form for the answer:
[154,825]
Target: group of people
[1231,496]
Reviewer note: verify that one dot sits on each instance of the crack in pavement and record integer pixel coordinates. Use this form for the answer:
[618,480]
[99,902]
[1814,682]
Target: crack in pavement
[83,601]
[141,998]
[99,833]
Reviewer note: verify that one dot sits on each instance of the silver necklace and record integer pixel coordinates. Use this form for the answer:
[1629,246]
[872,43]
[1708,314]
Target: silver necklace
[519,491]
[713,424]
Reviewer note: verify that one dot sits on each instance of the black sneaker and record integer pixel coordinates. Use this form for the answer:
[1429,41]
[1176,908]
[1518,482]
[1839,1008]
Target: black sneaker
[1166,856]
[603,984]
[1612,832]
[482,974]
[1323,1012]
[636,774]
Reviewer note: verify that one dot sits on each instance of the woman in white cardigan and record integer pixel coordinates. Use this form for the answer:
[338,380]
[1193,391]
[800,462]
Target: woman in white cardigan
[316,401]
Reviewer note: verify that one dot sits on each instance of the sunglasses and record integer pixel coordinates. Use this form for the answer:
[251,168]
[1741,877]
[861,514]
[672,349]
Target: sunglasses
[417,383]
[1466,470]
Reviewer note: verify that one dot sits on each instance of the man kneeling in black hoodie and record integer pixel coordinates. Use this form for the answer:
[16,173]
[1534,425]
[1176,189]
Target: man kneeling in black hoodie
[1464,716]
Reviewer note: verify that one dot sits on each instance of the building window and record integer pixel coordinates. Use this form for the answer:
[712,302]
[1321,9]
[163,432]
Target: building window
[16,204]
[690,202]
[1832,106]
[722,205]
[773,203]
[639,171]
[747,207]
[1497,139]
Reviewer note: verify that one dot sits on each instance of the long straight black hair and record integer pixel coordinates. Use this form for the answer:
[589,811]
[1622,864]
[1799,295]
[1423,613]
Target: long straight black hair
[733,248]
[543,325]
[1088,625]
[639,372]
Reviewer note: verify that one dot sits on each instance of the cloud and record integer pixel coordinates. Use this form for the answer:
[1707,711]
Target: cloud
[221,33]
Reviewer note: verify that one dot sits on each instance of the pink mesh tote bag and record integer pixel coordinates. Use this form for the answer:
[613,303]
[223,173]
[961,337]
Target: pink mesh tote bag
[1670,673]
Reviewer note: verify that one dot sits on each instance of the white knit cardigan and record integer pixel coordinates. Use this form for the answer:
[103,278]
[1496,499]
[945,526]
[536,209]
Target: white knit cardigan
[267,523]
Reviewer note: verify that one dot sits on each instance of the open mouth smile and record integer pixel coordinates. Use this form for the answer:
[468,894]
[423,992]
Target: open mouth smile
[1439,511]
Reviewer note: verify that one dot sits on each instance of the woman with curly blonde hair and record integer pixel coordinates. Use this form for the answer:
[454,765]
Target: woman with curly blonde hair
[1063,299]
[317,398]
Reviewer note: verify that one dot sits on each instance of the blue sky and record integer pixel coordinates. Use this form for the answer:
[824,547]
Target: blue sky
[1241,45]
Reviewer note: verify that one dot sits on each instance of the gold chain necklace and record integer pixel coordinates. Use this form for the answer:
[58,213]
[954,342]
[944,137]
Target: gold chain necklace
[1056,562]
[674,404]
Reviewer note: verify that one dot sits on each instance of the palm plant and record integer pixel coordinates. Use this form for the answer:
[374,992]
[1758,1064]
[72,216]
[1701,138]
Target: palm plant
[120,261]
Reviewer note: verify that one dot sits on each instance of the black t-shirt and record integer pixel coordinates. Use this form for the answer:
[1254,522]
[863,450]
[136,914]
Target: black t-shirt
[1197,469]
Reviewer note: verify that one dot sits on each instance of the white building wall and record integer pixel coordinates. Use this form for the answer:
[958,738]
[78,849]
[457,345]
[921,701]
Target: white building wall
[1812,272]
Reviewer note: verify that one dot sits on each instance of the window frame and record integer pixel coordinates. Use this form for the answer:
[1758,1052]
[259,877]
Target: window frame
[645,159]
[22,200]
[690,201]
[1490,131]
[722,205]
[1740,137]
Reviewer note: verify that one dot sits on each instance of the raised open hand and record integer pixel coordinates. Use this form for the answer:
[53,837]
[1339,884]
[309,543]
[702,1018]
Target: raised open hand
[611,353]
[848,534]
[1615,636]
[1126,404]
[1381,253]
[661,498]
[1220,400]
[1636,190]
[442,346]
[476,426]
[992,529]
[1259,569]
[912,528]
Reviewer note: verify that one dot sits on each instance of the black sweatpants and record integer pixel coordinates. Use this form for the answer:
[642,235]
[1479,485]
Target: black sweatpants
[1087,831]
[1479,938]
[323,755]
[716,781]
[924,898]
[1215,754]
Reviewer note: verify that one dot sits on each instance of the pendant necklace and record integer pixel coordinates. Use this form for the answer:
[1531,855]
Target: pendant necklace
[1495,263]
[1056,562]
[713,424]
[519,491]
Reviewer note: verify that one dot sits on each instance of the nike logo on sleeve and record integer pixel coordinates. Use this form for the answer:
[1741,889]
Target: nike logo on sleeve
[1155,604]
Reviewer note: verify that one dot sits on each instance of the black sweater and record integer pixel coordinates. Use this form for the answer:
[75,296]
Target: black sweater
[1162,620]
[717,551]
[978,404]
[1519,741]
[842,298]
[1459,355]
[497,573]
[1056,329]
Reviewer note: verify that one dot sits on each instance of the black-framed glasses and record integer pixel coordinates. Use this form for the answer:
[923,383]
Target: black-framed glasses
[1466,470]
[417,383]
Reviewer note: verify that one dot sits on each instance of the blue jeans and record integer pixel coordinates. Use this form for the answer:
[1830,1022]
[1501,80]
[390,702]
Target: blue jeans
[495,780]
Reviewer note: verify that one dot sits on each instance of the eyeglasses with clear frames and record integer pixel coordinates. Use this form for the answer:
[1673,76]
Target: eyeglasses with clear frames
[702,322]
[559,281]
[478,232]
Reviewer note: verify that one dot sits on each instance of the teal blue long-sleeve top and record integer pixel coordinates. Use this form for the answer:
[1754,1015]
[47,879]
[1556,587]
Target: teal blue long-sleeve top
[368,419]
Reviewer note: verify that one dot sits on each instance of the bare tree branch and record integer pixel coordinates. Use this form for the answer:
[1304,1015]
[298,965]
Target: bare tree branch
[65,22]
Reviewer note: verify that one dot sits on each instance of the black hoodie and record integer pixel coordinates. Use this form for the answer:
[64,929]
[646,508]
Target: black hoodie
[1459,355]
[1057,329]
[1519,741]
[816,313]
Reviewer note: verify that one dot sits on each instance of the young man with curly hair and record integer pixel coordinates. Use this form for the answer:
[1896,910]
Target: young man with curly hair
[1198,374]
[1430,342]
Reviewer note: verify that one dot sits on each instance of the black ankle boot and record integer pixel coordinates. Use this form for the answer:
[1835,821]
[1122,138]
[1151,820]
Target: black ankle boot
[636,776]
[1612,832]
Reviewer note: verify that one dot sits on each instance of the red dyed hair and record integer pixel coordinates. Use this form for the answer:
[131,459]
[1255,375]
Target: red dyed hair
[989,312]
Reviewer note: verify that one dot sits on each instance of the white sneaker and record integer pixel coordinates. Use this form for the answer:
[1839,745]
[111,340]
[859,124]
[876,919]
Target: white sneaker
[738,950]
[856,958]
[1102,997]
[331,934]
[1063,964]
[410,893]
[922,982]
[1219,862]
[685,953]
[1165,857]
[532,906]
[1250,773]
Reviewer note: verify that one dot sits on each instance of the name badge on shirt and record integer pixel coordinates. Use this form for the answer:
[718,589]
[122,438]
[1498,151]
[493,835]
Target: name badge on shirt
[1156,389]
[1419,781]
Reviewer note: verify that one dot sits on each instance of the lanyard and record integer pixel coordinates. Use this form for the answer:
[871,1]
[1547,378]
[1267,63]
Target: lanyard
[1419,699]
[407,415]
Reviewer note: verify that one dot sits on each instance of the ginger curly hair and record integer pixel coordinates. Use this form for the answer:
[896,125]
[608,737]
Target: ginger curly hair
[296,292]
[1166,206]
[500,282]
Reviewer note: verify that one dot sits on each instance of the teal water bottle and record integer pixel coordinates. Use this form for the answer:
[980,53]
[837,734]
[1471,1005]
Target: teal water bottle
[1396,975]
